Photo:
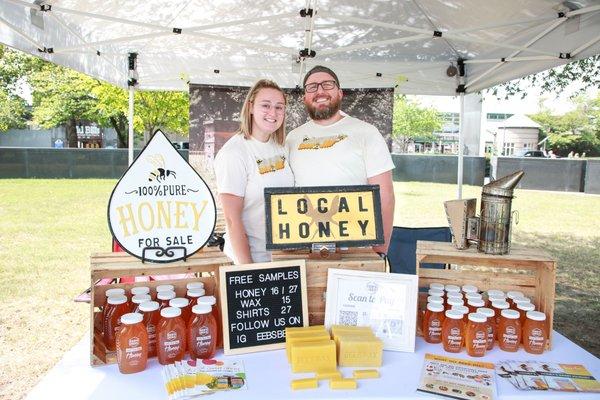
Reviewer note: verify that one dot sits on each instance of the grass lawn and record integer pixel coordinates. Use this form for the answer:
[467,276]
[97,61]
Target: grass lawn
[50,227]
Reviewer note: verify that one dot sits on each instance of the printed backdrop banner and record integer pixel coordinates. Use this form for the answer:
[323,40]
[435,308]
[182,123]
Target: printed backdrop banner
[215,113]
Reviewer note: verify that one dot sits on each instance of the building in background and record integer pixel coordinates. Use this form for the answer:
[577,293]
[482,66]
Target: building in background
[516,135]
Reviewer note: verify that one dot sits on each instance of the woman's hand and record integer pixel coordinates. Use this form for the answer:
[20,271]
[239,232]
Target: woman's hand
[232,208]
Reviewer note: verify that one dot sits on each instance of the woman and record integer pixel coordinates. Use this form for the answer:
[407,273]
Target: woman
[251,160]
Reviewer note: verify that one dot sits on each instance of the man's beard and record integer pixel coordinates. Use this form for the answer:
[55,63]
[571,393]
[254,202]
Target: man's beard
[324,113]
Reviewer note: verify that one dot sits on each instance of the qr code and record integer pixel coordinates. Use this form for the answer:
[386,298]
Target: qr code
[349,318]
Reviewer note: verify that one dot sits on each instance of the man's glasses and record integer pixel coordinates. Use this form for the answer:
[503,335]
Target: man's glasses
[313,87]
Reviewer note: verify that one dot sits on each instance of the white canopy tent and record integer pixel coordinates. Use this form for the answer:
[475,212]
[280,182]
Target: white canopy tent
[416,46]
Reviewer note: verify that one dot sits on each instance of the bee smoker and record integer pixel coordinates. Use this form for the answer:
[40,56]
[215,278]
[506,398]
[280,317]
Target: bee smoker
[494,222]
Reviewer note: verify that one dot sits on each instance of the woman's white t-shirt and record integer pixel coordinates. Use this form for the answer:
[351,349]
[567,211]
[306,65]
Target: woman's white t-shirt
[244,167]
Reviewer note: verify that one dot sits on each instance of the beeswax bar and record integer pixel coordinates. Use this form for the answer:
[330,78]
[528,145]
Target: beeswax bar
[308,383]
[339,329]
[342,384]
[346,336]
[360,352]
[365,374]
[300,338]
[313,356]
[329,375]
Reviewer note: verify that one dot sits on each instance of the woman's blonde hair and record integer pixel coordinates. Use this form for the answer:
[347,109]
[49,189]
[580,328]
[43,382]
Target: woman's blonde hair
[246,115]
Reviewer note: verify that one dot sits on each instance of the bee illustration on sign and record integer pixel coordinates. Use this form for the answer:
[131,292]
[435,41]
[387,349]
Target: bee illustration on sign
[317,217]
[160,173]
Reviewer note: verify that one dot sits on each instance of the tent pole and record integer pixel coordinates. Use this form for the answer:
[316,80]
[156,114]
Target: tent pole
[131,82]
[130,121]
[461,139]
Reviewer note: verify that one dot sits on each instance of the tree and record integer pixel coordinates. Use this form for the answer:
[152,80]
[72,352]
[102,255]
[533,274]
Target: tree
[555,80]
[410,121]
[12,111]
[62,96]
[576,131]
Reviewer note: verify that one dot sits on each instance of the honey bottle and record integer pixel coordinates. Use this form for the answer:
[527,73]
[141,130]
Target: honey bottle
[453,331]
[117,307]
[202,332]
[535,332]
[490,326]
[509,331]
[170,336]
[151,317]
[132,344]
[476,335]
[432,323]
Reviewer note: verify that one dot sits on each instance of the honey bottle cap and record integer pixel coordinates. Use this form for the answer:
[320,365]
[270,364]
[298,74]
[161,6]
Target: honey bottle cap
[476,303]
[453,314]
[436,285]
[510,314]
[115,292]
[196,292]
[210,300]
[435,307]
[141,298]
[435,292]
[451,288]
[495,293]
[514,294]
[476,317]
[455,302]
[470,289]
[170,312]
[194,285]
[461,309]
[179,302]
[435,299]
[471,296]
[117,300]
[536,315]
[140,290]
[166,295]
[500,304]
[149,306]
[201,309]
[525,307]
[488,312]
[131,318]
[164,288]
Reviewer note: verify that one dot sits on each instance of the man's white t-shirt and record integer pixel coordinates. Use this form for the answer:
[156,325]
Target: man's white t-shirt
[347,152]
[244,167]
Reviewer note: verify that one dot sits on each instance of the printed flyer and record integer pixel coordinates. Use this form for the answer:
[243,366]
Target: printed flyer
[191,378]
[457,378]
[539,375]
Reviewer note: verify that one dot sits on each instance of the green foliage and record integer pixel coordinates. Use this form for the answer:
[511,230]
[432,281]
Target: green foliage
[576,131]
[555,80]
[12,111]
[413,121]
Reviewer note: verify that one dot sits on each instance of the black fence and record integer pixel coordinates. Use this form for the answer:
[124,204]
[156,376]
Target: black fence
[64,163]
[438,168]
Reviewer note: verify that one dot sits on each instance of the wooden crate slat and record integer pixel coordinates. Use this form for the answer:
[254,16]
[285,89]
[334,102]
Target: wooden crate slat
[484,280]
[447,249]
[118,269]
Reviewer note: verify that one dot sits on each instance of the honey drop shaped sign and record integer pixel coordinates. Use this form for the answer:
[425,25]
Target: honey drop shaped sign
[161,210]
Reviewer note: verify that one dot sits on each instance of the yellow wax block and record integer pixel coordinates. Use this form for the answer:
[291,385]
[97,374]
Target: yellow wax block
[360,352]
[338,329]
[304,328]
[329,375]
[365,374]
[308,383]
[313,356]
[342,384]
[341,336]
[289,342]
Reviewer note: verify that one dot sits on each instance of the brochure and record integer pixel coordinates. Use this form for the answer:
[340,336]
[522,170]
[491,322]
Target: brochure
[191,378]
[539,375]
[457,378]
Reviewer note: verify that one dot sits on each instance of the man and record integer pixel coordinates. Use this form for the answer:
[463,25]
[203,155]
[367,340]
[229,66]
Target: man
[334,148]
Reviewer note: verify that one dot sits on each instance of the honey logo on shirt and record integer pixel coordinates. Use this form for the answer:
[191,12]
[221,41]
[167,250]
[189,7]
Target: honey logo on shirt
[326,142]
[269,165]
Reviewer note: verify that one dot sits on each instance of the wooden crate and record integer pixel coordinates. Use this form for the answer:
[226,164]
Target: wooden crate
[316,274]
[204,265]
[531,271]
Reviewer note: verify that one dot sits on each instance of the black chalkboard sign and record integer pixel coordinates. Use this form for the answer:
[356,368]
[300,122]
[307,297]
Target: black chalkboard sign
[259,301]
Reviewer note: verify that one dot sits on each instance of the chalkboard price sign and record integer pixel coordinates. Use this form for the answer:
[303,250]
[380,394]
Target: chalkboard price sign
[259,301]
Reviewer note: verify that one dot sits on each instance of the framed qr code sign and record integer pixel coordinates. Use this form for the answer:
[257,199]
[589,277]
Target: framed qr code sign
[385,302]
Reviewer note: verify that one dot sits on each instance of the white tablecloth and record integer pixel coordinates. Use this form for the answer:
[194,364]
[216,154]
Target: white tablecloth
[269,375]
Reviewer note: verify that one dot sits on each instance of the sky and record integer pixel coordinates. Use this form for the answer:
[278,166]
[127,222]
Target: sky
[514,105]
